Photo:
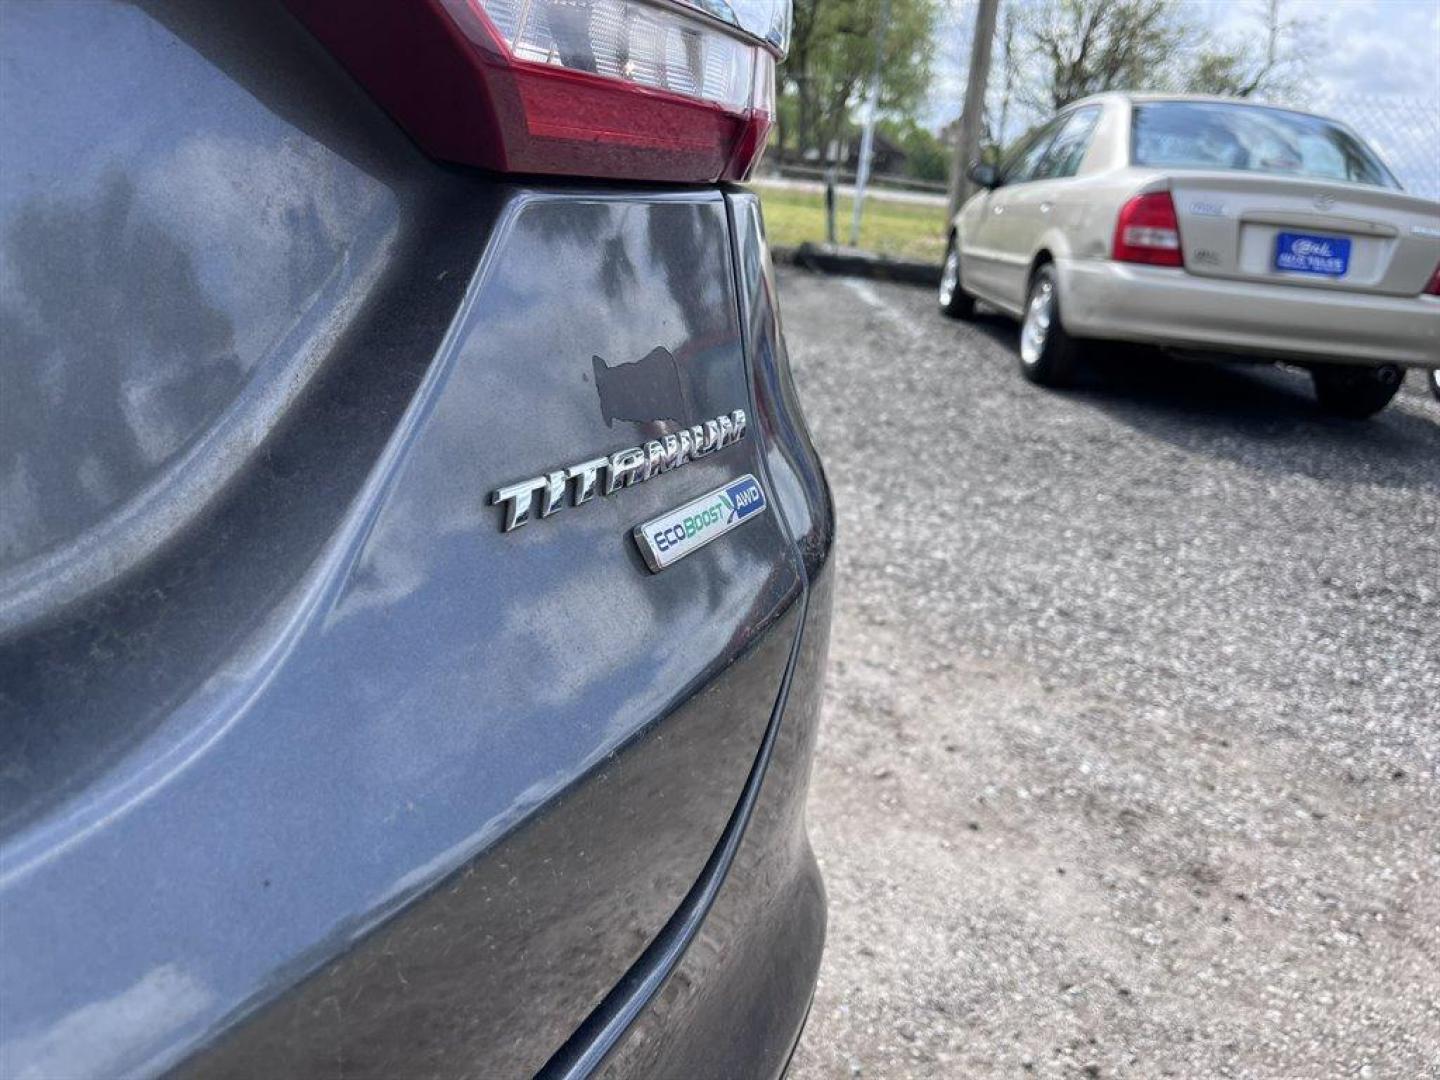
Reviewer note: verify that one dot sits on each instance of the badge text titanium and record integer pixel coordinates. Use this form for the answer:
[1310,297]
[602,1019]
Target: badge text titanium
[623,468]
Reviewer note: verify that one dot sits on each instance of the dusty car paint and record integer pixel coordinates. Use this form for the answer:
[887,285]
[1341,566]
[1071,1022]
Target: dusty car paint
[324,767]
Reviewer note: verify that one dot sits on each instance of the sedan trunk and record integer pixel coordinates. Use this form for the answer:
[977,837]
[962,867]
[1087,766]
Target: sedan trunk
[1309,233]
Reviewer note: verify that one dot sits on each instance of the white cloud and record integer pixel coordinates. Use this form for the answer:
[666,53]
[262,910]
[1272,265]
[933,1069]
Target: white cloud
[1376,47]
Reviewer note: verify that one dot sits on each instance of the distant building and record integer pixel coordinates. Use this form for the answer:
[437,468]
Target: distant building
[887,158]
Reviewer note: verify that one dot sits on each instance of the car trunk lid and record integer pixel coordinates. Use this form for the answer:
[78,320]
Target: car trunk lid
[1306,233]
[312,710]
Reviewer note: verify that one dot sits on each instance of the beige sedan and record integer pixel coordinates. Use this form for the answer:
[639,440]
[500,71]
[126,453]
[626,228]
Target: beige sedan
[1210,226]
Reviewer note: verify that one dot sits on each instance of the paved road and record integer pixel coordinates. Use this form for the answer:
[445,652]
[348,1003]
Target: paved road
[1131,754]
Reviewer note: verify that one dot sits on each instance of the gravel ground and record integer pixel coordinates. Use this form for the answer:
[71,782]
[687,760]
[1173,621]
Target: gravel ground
[1130,759]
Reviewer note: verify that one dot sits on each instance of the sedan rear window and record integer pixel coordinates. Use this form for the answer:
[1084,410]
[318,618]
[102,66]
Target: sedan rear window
[1209,135]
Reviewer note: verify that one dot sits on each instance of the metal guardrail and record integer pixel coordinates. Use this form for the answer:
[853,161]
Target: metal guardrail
[842,176]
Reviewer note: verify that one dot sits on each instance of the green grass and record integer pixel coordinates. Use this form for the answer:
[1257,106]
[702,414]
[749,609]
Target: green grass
[903,230]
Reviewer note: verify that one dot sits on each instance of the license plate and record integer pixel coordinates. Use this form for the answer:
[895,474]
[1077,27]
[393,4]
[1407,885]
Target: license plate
[1305,253]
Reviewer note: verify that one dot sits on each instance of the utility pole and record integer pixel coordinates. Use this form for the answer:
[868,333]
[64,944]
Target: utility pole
[867,140]
[830,175]
[967,147]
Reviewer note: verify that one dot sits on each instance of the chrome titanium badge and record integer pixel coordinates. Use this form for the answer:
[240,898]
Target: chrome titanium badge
[624,468]
[667,539]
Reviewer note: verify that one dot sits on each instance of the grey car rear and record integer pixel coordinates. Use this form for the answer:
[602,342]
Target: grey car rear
[307,765]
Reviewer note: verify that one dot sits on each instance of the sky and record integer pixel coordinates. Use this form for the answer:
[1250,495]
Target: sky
[1373,63]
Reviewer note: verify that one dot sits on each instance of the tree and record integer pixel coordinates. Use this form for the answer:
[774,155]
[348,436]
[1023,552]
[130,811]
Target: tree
[1010,73]
[1242,68]
[1090,46]
[1082,47]
[796,81]
[832,52]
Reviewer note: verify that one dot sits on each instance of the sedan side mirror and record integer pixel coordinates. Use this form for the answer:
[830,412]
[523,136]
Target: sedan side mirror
[984,175]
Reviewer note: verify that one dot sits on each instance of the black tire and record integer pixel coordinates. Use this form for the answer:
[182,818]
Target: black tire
[1355,392]
[1433,378]
[1053,357]
[954,300]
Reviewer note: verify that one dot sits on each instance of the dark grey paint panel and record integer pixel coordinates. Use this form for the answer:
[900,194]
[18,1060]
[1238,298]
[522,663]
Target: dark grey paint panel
[313,759]
[326,682]
[180,243]
[97,652]
[738,999]
[490,971]
[736,1004]
[796,475]
[436,685]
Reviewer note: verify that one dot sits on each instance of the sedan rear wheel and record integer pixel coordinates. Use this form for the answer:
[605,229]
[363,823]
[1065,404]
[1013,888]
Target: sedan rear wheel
[954,300]
[1434,380]
[1353,391]
[1048,355]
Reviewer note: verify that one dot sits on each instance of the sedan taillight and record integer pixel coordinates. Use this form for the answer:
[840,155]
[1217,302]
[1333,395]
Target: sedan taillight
[599,88]
[1432,287]
[1147,231]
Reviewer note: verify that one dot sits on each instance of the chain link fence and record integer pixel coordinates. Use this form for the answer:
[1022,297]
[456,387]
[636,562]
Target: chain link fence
[1404,131]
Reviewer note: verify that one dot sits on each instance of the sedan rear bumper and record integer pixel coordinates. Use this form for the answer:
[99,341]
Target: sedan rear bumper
[737,1002]
[1165,306]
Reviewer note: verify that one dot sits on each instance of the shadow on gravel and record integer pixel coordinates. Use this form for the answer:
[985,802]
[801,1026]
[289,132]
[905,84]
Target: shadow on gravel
[1260,416]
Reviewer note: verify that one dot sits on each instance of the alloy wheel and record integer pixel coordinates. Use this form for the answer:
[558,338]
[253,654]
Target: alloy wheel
[1036,327]
[949,276]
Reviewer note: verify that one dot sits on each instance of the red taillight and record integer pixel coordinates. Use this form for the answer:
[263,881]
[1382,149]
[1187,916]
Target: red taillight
[1432,287]
[599,88]
[1148,232]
